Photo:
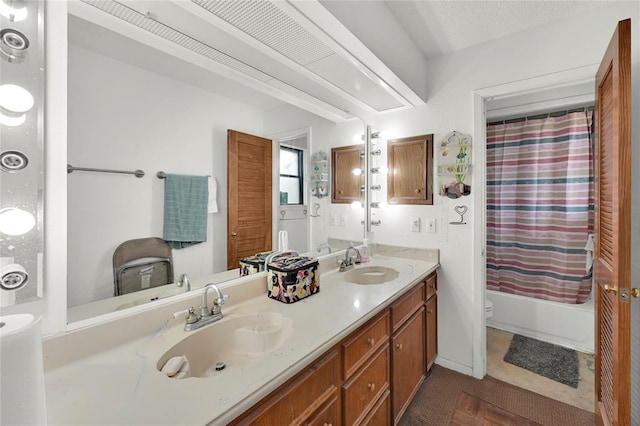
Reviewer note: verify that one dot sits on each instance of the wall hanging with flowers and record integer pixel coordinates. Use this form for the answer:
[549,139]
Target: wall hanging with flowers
[454,165]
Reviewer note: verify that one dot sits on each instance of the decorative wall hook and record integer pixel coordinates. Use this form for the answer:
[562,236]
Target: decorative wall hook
[461,210]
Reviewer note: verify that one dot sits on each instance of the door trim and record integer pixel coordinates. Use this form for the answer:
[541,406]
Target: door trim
[480,97]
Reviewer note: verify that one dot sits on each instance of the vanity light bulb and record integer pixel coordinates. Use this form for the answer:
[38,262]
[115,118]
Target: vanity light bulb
[14,221]
[15,99]
[356,204]
[356,172]
[12,121]
[13,14]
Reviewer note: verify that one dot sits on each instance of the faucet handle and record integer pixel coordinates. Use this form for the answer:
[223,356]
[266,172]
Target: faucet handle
[193,317]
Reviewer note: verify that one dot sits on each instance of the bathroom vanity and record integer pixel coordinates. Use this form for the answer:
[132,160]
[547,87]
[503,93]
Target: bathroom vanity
[352,353]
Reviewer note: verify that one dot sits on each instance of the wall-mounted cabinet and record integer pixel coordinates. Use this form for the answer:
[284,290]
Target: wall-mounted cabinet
[410,164]
[347,178]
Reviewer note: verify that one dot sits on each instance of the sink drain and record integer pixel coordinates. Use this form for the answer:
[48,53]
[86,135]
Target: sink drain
[219,366]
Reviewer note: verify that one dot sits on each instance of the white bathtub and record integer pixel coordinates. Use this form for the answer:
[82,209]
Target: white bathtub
[566,325]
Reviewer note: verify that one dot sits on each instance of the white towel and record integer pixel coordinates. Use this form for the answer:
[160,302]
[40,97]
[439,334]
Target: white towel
[590,247]
[283,240]
[212,205]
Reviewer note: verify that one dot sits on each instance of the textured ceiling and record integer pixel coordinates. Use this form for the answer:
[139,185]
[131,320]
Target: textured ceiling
[444,26]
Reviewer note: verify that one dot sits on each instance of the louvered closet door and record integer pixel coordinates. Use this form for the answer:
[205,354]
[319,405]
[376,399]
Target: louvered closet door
[613,230]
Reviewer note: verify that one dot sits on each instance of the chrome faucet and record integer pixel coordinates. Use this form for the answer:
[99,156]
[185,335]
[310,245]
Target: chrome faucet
[207,316]
[323,245]
[183,281]
[347,263]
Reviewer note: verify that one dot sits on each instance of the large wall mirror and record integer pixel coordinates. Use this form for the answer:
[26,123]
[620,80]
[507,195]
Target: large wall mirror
[133,107]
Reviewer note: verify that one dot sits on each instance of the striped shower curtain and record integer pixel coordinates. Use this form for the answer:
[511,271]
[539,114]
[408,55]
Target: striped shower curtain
[540,207]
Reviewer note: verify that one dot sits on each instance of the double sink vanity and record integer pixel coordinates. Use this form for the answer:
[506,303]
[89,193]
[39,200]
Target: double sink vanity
[354,353]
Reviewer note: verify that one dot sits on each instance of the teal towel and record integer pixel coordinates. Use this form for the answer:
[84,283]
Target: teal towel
[185,210]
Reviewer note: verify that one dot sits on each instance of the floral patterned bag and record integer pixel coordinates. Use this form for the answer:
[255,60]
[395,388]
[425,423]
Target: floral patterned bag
[290,279]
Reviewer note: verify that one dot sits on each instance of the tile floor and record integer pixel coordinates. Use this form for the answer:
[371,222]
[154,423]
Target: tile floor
[498,342]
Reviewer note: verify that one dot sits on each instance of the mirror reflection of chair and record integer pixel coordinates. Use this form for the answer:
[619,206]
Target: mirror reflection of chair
[140,264]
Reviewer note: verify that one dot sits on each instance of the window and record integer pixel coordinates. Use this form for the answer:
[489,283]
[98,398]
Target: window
[291,179]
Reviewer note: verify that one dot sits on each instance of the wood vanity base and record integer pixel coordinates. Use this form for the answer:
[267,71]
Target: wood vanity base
[369,378]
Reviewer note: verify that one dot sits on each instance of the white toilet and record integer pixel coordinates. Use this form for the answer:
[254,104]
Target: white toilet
[488,308]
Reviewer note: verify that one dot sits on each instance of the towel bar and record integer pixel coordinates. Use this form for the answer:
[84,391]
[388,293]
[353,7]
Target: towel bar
[137,173]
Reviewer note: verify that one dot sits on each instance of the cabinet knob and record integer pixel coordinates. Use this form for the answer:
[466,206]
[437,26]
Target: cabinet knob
[371,386]
[340,192]
[371,341]
[429,311]
[233,234]
[418,190]
[399,346]
[328,424]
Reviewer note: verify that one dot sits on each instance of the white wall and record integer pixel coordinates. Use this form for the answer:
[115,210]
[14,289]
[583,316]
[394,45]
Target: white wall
[124,117]
[324,135]
[452,80]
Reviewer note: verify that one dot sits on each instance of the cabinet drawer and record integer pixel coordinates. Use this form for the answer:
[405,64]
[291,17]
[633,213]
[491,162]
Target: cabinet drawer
[365,388]
[407,305]
[327,416]
[301,397]
[380,414]
[364,342]
[432,285]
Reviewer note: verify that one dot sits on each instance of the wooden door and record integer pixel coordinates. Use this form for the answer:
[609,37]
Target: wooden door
[613,230]
[249,196]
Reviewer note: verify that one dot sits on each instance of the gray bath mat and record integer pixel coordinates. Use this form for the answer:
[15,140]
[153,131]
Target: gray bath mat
[546,359]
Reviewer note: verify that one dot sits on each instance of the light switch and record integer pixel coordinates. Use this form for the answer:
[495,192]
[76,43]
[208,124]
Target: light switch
[343,220]
[334,220]
[414,223]
[431,225]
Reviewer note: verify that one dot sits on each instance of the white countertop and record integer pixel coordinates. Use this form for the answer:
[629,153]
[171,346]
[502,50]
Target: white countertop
[122,385]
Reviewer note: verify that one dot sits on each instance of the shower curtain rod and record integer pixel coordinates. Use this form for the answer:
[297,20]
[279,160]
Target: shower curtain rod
[543,115]
[137,173]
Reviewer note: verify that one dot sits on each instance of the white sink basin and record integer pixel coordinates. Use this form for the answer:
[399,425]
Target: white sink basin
[371,275]
[236,342]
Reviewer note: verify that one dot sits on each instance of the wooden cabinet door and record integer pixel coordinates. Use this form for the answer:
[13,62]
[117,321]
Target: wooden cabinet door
[346,183]
[431,337]
[410,177]
[408,360]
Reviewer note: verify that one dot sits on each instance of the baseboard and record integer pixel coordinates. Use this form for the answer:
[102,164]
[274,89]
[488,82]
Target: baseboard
[452,365]
[567,343]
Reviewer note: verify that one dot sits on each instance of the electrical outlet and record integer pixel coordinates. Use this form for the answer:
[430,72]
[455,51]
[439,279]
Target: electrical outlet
[334,220]
[431,225]
[343,220]
[414,223]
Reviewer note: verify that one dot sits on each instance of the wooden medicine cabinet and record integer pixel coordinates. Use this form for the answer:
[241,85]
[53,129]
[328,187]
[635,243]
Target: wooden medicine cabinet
[346,174]
[410,163]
